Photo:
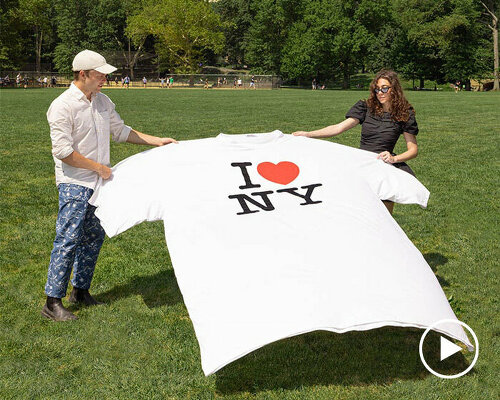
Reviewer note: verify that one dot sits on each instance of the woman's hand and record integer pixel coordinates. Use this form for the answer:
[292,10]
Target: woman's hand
[301,133]
[387,157]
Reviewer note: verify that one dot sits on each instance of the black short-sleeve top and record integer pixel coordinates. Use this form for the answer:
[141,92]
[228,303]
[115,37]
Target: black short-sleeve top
[380,133]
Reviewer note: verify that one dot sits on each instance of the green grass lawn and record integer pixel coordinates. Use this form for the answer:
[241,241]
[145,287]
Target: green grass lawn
[141,343]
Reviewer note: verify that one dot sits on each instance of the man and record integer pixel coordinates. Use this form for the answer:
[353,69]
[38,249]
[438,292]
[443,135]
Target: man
[81,121]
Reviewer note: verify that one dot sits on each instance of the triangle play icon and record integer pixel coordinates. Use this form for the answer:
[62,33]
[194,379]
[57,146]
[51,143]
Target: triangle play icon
[448,348]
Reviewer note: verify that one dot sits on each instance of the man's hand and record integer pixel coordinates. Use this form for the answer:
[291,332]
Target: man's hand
[166,140]
[137,137]
[301,133]
[104,171]
[76,160]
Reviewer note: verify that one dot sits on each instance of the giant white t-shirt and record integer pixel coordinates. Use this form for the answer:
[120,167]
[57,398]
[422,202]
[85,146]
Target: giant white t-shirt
[272,235]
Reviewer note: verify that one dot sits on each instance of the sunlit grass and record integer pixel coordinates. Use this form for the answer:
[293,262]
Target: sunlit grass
[141,344]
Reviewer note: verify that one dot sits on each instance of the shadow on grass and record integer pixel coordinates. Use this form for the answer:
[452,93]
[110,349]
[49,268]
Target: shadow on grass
[379,356]
[435,260]
[156,290]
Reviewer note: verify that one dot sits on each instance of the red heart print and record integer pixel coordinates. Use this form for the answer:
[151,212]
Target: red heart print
[283,173]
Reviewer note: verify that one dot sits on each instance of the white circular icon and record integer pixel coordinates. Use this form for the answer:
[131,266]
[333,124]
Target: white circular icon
[449,351]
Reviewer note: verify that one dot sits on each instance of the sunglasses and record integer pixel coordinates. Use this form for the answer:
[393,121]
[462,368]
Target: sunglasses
[384,89]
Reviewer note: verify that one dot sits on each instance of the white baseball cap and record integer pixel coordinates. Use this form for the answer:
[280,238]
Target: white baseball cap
[88,59]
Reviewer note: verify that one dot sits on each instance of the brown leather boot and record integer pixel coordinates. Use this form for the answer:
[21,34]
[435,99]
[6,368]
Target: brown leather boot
[54,310]
[82,296]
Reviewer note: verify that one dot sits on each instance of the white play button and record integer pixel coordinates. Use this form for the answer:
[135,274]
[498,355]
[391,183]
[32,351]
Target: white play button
[448,348]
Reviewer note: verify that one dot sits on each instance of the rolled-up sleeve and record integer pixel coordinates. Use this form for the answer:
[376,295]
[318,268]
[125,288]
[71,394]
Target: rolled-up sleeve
[119,131]
[60,122]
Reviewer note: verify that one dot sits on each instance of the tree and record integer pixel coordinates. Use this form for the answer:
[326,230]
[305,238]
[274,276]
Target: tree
[237,16]
[302,55]
[183,29]
[331,38]
[444,36]
[490,9]
[37,15]
[88,24]
[106,23]
[267,34]
[134,34]
[13,38]
[71,20]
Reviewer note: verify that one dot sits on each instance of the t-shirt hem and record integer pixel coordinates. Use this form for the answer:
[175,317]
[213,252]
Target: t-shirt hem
[359,327]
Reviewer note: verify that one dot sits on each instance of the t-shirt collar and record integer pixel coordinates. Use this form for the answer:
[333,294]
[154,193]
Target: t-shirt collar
[250,139]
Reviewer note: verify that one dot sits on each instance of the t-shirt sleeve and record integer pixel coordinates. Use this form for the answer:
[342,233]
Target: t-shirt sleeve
[358,111]
[391,183]
[384,180]
[411,125]
[132,194]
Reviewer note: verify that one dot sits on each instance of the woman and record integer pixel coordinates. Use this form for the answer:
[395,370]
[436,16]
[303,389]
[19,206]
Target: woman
[384,117]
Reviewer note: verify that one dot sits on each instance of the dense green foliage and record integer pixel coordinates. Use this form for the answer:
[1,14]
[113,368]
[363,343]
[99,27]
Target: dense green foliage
[141,344]
[183,29]
[439,40]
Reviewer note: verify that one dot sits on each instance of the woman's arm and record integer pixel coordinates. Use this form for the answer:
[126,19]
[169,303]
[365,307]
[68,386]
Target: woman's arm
[411,152]
[331,130]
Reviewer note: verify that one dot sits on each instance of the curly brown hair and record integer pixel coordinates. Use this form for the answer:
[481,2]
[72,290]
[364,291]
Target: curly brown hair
[400,107]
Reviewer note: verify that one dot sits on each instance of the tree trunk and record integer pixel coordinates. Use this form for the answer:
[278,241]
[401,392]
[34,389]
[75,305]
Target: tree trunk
[38,49]
[421,86]
[495,54]
[347,78]
[132,62]
[494,29]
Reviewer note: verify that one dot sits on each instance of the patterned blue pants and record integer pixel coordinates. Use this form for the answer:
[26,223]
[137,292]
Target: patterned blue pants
[79,238]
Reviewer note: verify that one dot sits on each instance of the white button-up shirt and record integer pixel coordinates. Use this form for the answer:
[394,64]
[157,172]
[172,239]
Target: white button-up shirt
[77,124]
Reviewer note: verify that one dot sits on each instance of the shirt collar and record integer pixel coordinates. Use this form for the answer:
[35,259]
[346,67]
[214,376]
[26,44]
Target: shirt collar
[78,94]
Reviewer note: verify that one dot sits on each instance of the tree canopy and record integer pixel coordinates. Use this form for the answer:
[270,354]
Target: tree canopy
[440,40]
